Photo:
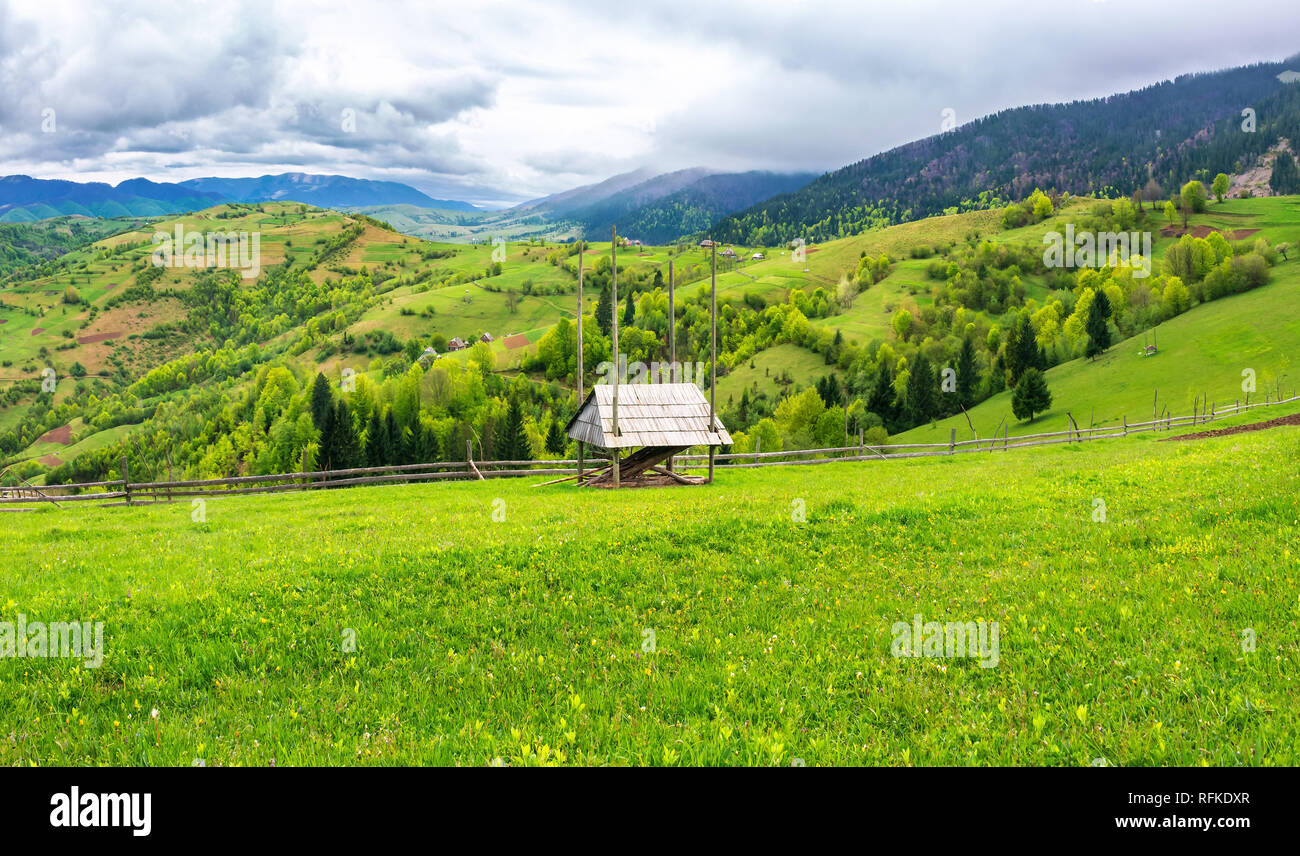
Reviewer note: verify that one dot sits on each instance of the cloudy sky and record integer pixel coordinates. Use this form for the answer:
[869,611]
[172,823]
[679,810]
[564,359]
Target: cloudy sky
[502,101]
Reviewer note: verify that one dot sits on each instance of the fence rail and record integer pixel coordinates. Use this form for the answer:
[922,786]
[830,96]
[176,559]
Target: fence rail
[126,492]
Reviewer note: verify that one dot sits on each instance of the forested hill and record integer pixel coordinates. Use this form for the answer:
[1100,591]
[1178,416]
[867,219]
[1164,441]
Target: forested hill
[1110,145]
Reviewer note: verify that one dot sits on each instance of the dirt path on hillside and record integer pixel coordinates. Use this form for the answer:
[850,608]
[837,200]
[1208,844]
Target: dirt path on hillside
[1293,419]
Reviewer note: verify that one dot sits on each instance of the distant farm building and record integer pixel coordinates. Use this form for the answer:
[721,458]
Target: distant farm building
[758,257]
[659,420]
[706,243]
[729,253]
[486,337]
[457,344]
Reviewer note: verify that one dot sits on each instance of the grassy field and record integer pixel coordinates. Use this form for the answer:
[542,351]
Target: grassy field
[497,623]
[803,365]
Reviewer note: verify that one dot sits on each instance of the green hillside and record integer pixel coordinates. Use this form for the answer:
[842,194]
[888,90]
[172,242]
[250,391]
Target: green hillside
[1202,353]
[186,354]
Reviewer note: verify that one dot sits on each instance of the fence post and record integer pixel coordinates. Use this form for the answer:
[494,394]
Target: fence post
[1126,425]
[469,456]
[758,447]
[126,480]
[952,441]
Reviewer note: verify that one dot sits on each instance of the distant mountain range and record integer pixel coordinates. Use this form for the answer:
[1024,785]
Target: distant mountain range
[656,208]
[1164,133]
[325,191]
[25,199]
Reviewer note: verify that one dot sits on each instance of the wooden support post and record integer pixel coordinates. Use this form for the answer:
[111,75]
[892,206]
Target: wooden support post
[758,447]
[614,465]
[126,479]
[618,363]
[713,355]
[580,450]
[170,477]
[672,330]
[1126,425]
[952,441]
[582,247]
[672,341]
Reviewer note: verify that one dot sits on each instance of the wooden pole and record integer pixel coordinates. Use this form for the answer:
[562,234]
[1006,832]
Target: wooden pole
[613,274]
[672,341]
[126,480]
[672,333]
[614,465]
[952,441]
[581,389]
[582,251]
[713,354]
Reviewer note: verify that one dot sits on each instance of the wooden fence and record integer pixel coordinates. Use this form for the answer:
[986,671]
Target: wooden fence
[123,491]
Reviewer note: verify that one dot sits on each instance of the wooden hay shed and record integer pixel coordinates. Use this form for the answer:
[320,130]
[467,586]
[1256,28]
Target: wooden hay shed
[658,420]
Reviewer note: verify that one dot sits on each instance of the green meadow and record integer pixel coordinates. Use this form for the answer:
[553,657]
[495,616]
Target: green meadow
[747,622]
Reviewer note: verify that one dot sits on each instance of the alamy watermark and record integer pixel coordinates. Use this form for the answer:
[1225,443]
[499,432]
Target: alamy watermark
[240,250]
[1096,249]
[951,639]
[39,640]
[655,372]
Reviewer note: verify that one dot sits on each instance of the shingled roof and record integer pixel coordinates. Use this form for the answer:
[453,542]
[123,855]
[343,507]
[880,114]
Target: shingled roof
[653,414]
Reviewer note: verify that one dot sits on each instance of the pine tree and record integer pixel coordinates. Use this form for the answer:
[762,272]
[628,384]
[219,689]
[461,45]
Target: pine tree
[1030,395]
[393,439]
[427,448]
[414,451]
[322,401]
[881,399]
[326,445]
[345,451]
[921,403]
[514,438]
[604,311]
[629,312]
[1098,331]
[1028,356]
[966,374]
[374,441]
[555,439]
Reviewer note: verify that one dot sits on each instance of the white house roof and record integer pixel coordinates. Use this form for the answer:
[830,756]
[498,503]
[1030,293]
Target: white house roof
[649,414]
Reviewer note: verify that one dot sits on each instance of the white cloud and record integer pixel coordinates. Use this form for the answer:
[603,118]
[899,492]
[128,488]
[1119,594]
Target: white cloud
[485,100]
